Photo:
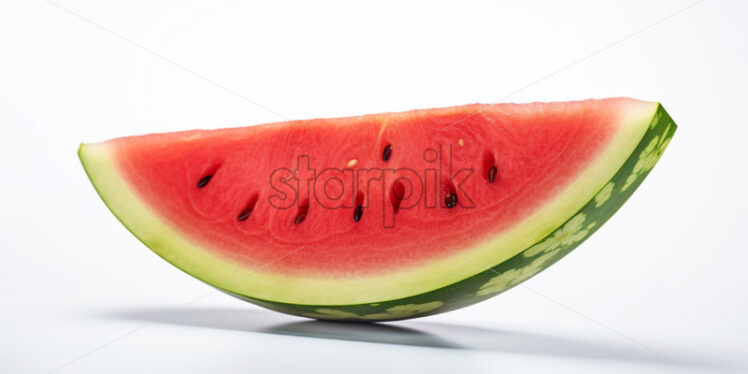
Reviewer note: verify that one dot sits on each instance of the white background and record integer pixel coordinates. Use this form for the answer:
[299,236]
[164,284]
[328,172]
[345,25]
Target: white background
[660,288]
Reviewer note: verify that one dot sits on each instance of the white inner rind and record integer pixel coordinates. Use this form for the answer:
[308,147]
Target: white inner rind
[264,283]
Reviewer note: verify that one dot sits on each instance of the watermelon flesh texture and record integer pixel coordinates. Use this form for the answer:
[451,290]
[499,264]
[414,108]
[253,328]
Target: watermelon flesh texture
[385,216]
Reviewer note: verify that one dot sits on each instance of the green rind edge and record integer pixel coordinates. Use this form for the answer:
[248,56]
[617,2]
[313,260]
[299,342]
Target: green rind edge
[508,274]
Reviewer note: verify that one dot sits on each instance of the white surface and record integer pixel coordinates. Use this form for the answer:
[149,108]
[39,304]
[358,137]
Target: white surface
[668,271]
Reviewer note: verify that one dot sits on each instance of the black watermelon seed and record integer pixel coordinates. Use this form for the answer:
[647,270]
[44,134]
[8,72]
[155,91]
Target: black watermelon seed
[450,201]
[299,219]
[357,213]
[204,182]
[301,214]
[492,174]
[387,153]
[244,215]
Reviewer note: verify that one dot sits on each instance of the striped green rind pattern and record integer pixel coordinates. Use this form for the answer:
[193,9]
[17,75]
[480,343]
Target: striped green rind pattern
[499,278]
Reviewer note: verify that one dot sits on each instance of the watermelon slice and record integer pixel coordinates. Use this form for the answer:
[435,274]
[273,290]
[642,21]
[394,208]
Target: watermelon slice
[386,216]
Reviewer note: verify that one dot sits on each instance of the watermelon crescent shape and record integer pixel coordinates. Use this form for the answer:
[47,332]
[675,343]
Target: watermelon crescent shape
[386,216]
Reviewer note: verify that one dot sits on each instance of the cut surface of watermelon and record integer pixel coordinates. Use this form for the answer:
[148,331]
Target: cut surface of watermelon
[382,216]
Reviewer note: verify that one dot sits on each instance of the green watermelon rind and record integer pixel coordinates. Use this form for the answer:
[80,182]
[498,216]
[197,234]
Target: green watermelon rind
[528,263]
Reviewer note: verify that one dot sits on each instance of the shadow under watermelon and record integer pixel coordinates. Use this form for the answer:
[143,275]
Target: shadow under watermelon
[412,333]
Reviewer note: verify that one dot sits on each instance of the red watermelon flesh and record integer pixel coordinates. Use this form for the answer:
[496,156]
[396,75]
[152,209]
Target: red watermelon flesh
[369,196]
